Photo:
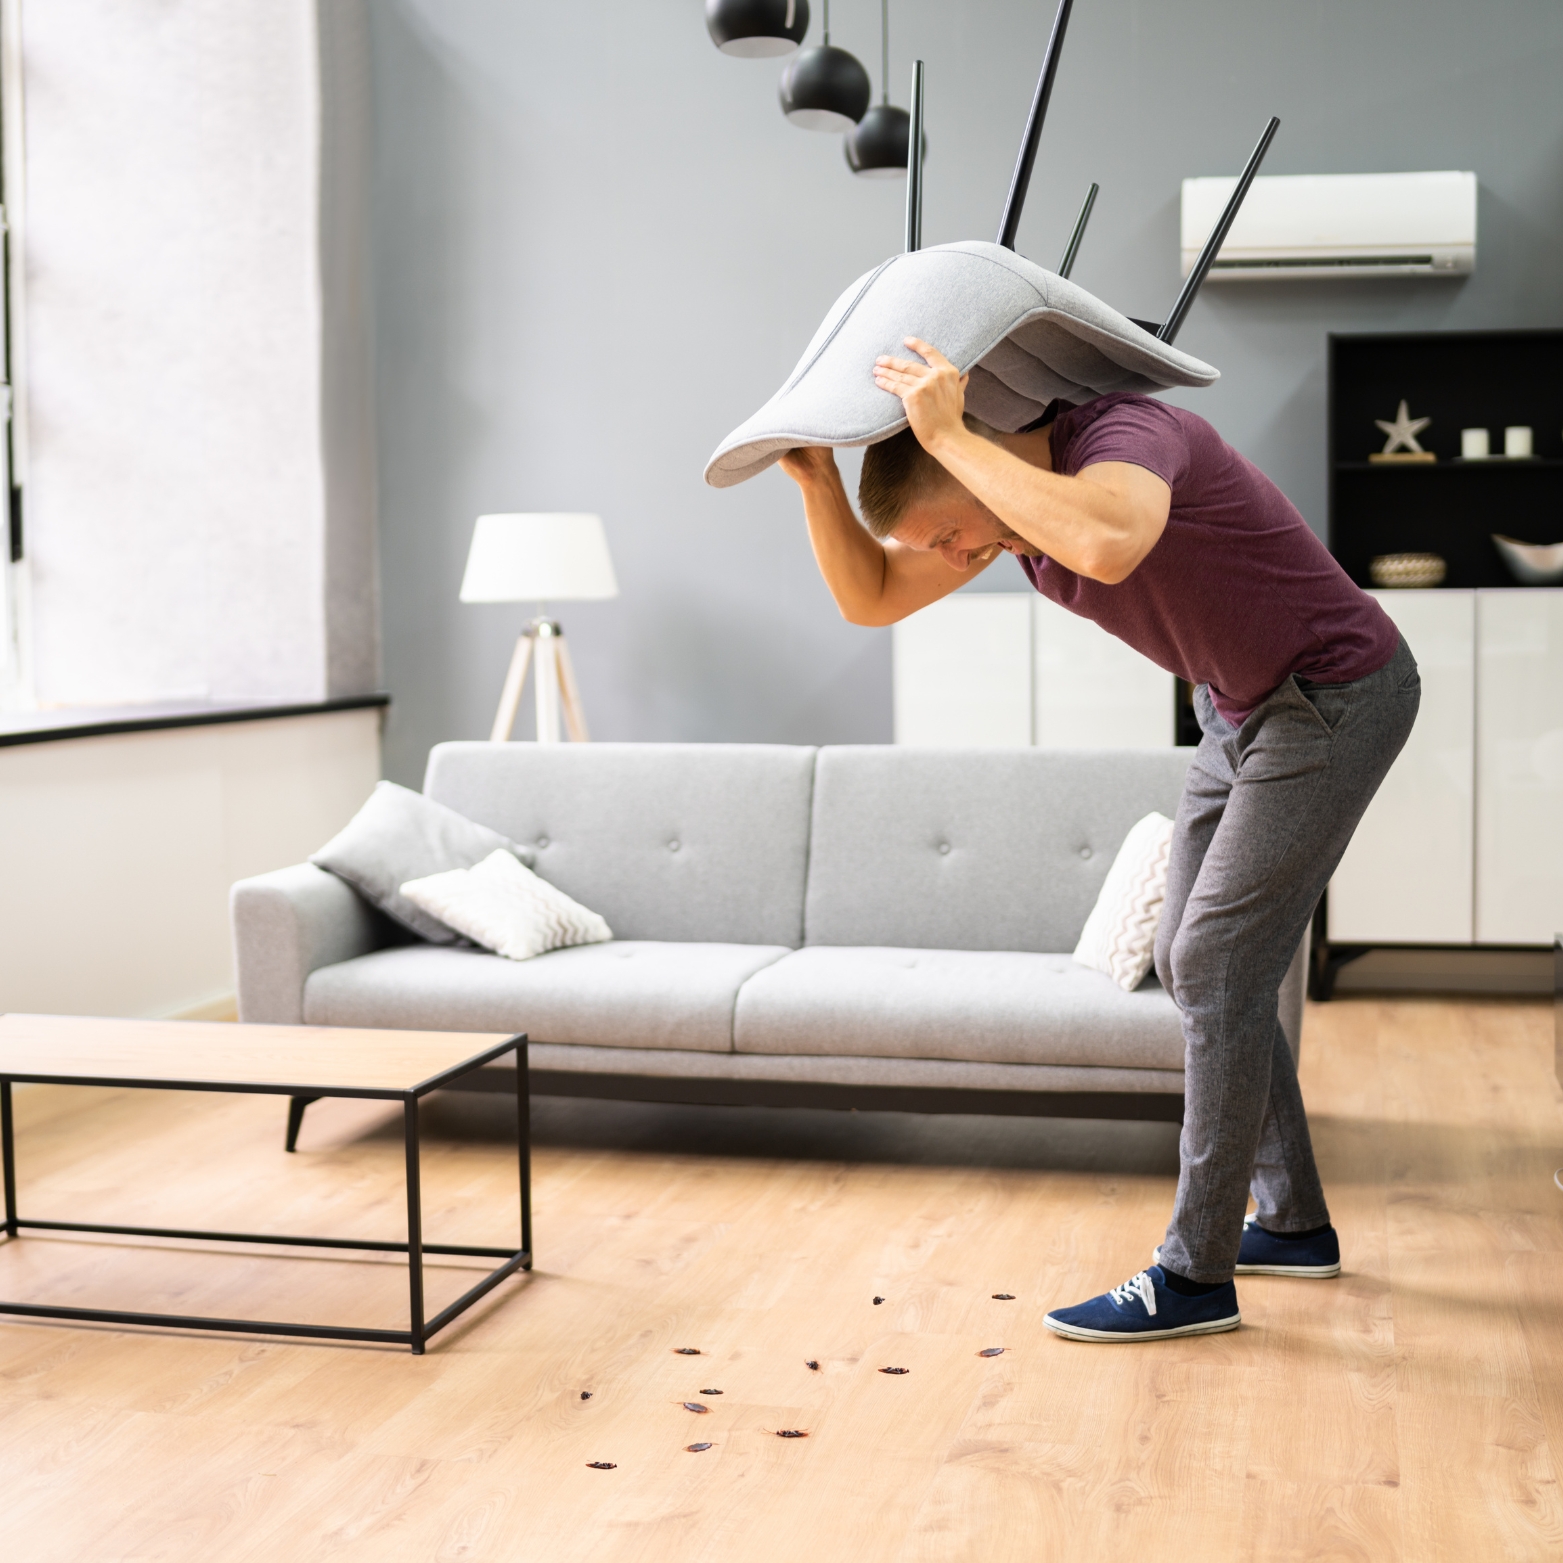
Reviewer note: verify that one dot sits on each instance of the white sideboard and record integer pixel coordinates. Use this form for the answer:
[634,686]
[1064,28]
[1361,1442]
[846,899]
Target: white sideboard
[1463,844]
[1012,669]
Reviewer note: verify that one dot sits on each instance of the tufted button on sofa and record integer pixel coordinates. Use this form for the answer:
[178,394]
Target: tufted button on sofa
[783,932]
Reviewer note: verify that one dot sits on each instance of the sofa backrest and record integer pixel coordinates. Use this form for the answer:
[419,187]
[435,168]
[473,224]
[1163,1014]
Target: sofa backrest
[694,842]
[973,849]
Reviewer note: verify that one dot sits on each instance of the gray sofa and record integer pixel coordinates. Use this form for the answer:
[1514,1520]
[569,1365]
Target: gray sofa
[870,927]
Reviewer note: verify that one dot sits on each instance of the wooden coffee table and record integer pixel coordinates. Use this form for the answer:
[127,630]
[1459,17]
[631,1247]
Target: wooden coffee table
[293,1061]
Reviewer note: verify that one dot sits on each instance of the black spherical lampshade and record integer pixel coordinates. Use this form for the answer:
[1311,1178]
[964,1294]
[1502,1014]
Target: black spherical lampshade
[876,149]
[757,29]
[825,89]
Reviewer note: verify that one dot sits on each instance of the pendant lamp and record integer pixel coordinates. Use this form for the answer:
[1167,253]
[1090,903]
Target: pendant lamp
[876,149]
[825,88]
[757,29]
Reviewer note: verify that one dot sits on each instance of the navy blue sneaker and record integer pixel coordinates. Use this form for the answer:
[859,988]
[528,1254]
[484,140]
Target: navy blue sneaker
[1145,1308]
[1262,1253]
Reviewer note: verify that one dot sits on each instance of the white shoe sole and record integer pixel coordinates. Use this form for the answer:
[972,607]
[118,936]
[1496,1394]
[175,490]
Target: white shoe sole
[1301,1272]
[1210,1327]
[1297,1272]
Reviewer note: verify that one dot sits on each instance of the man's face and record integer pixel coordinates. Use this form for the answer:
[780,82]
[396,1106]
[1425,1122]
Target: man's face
[953,523]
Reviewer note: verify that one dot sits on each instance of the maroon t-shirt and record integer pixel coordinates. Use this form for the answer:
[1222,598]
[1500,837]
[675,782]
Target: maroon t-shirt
[1238,592]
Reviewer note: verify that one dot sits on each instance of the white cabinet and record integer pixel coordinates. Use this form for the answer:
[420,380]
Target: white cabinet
[1406,878]
[1092,691]
[1012,668]
[962,672]
[1519,767]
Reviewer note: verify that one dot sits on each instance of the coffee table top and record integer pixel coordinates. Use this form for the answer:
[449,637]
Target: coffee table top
[332,1060]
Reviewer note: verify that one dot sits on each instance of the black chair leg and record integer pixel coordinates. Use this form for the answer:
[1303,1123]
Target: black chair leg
[296,1106]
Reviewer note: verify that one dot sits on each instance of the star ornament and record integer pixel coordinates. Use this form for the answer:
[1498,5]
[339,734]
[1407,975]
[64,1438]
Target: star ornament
[1403,431]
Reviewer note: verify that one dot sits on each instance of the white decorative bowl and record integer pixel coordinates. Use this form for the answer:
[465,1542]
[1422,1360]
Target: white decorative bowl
[1532,564]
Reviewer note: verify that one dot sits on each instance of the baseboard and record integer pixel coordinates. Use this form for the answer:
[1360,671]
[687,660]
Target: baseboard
[1515,972]
[217,1006]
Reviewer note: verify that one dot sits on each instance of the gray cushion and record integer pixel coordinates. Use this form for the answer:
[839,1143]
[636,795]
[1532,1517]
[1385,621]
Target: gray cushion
[973,849]
[981,1006]
[705,842]
[400,835]
[1025,334]
[625,994]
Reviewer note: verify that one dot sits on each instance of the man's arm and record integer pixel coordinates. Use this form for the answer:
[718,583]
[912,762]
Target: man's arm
[1100,524]
[873,583]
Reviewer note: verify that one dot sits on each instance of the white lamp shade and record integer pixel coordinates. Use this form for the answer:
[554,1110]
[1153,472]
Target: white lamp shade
[539,558]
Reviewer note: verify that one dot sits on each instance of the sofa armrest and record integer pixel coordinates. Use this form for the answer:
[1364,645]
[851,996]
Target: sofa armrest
[287,924]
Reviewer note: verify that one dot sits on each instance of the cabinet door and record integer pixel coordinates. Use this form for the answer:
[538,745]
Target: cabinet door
[1094,692]
[1519,775]
[1406,877]
[963,672]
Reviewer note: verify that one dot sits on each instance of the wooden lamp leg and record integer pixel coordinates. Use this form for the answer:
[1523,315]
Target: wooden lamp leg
[570,696]
[510,696]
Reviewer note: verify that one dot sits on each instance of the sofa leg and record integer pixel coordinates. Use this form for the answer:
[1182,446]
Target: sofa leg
[296,1106]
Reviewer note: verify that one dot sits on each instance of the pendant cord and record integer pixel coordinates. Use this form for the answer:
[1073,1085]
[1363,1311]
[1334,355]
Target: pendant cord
[827,23]
[884,51]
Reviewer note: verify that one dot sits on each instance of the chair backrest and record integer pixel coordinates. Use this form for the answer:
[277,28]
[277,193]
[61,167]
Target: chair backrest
[689,842]
[973,849]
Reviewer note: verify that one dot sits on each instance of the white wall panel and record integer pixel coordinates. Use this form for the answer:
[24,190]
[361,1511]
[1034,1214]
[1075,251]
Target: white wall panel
[1407,876]
[963,672]
[1092,691]
[1519,783]
[119,852]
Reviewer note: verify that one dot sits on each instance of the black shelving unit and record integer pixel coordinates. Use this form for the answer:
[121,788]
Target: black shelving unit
[1450,507]
[1459,379]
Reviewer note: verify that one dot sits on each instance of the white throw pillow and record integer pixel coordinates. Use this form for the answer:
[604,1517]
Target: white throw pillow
[502,905]
[1119,937]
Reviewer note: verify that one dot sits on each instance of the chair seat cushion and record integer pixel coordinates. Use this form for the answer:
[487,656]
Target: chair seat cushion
[631,993]
[995,1007]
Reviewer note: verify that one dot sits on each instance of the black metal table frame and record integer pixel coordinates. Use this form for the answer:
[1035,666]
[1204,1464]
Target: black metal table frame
[419,1329]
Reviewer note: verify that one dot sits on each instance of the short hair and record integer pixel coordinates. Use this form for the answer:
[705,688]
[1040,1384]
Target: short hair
[897,472]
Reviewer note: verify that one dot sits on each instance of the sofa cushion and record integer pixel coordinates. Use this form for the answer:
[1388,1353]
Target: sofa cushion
[703,842]
[998,1007]
[625,994]
[972,849]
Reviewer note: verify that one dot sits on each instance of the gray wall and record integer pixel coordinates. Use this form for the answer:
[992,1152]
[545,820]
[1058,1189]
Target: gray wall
[599,247]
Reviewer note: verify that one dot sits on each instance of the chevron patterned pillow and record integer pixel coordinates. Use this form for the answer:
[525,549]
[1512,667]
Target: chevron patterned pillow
[502,905]
[1119,937]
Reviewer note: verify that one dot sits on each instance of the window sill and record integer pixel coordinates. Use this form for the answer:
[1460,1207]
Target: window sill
[33,727]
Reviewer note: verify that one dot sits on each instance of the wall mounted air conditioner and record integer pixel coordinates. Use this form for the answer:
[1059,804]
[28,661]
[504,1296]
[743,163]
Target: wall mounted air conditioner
[1337,225]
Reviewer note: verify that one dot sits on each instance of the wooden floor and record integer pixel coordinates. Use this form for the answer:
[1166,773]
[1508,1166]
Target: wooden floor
[1412,1410]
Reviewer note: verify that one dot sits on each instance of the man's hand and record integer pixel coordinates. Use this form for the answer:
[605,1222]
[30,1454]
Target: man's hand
[933,393]
[808,464]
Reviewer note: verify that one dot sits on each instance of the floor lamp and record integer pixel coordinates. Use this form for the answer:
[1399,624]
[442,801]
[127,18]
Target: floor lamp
[540,558]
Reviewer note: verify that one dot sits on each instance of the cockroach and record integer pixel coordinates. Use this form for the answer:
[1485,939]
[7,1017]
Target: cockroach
[991,1351]
[696,1448]
[601,1465]
[895,1370]
[694,1405]
[710,1392]
[586,1394]
[877,1301]
[812,1366]
[1003,1297]
[790,1432]
[687,1351]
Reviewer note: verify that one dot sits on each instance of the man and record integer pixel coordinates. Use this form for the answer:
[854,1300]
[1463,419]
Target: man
[1138,516]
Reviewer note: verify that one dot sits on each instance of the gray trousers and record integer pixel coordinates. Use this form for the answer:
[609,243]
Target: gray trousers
[1266,814]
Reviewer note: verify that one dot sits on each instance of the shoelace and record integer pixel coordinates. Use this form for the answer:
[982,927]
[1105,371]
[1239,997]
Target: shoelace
[1141,1286]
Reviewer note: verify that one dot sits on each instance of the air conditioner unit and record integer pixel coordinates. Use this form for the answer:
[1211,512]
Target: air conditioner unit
[1337,225]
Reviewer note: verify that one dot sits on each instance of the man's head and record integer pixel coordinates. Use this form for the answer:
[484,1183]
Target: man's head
[906,495]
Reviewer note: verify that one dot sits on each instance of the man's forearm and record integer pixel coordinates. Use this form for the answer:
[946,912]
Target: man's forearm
[852,562]
[1083,525]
